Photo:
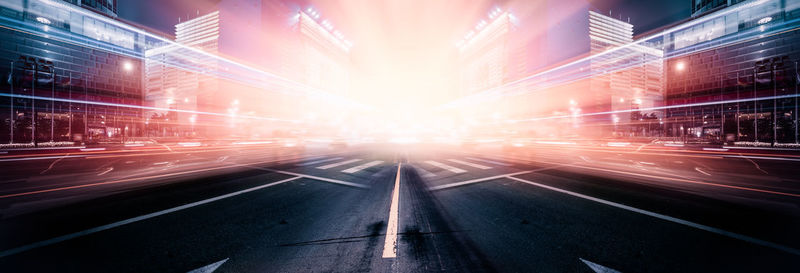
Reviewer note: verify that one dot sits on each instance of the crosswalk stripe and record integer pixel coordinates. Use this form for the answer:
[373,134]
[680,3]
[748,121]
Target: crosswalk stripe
[445,166]
[489,161]
[319,161]
[337,164]
[479,166]
[425,173]
[362,166]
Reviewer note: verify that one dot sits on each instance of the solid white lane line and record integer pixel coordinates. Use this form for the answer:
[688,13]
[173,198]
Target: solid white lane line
[489,161]
[319,161]
[390,244]
[363,166]
[473,181]
[313,177]
[445,166]
[479,166]
[337,164]
[666,218]
[135,219]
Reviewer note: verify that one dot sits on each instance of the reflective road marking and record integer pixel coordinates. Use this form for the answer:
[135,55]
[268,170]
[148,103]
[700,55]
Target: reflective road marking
[390,245]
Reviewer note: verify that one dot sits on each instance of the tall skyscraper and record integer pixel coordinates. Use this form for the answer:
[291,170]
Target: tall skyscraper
[491,54]
[625,77]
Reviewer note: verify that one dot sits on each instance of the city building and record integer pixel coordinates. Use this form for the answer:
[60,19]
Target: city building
[174,79]
[257,58]
[107,7]
[69,72]
[626,77]
[568,60]
[735,70]
[321,55]
[491,54]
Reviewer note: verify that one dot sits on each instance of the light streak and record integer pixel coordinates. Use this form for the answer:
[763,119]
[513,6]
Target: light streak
[656,108]
[18,96]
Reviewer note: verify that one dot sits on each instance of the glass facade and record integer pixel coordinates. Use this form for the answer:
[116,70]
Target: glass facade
[67,72]
[751,66]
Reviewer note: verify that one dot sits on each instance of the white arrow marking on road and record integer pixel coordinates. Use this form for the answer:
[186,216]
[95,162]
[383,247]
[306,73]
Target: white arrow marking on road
[445,166]
[109,169]
[598,268]
[209,268]
[390,245]
[337,164]
[479,166]
[363,166]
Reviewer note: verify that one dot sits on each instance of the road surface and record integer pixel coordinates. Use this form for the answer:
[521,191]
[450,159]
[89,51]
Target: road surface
[407,208]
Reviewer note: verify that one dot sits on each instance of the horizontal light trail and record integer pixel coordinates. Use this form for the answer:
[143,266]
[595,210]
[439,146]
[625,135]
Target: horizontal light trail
[40,158]
[656,108]
[133,179]
[18,96]
[680,180]
[82,233]
[722,232]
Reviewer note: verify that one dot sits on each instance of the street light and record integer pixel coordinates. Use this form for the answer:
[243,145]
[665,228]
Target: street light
[127,66]
[680,66]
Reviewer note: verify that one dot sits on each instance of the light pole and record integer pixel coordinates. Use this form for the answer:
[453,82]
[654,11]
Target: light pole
[738,108]
[11,116]
[755,106]
[52,104]
[33,105]
[721,109]
[774,107]
[680,67]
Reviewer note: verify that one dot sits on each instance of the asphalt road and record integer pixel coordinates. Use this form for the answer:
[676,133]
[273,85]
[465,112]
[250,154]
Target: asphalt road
[406,208]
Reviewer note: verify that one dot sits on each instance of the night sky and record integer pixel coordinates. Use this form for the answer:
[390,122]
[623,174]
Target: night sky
[645,15]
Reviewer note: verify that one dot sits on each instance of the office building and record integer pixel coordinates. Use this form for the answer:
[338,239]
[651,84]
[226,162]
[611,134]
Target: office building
[744,55]
[69,72]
